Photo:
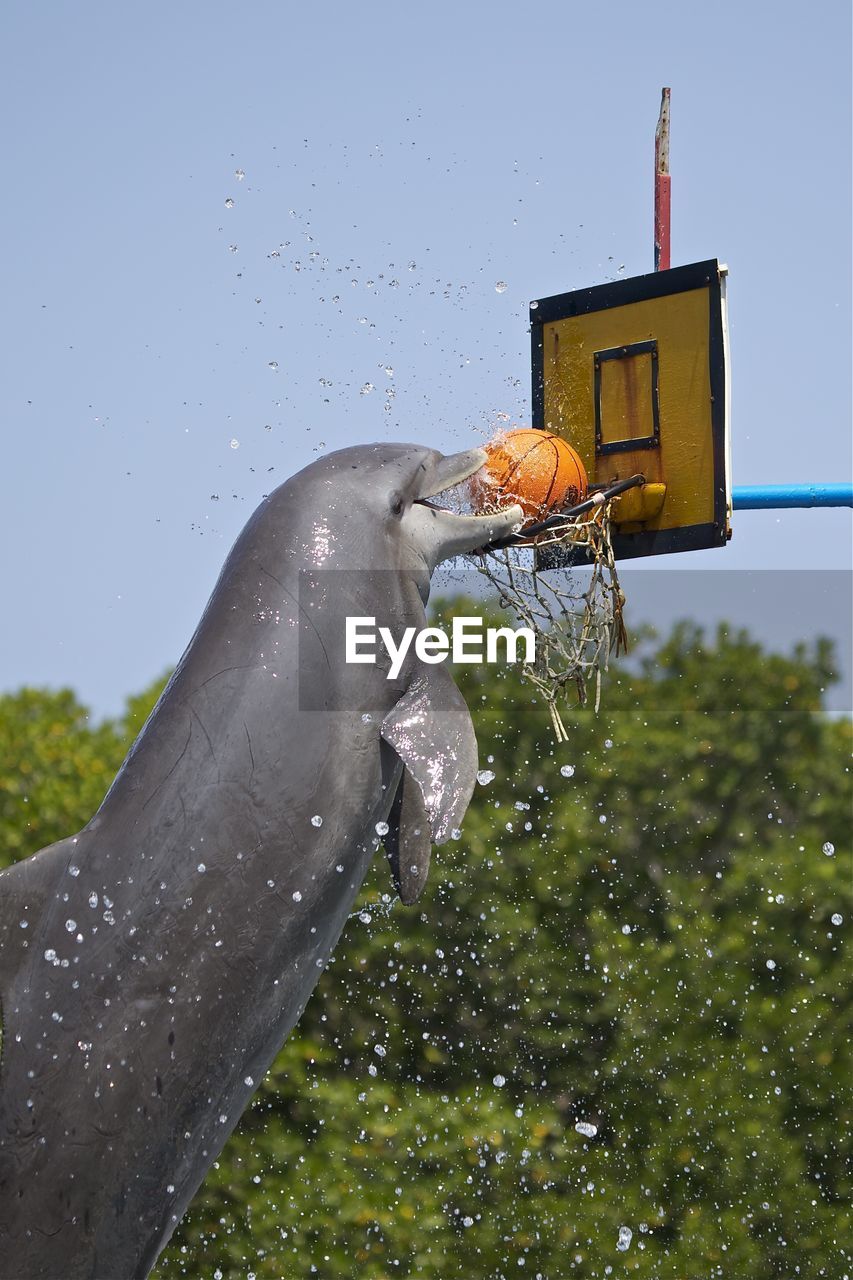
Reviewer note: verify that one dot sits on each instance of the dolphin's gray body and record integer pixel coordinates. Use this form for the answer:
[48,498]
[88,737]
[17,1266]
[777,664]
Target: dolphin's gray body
[151,966]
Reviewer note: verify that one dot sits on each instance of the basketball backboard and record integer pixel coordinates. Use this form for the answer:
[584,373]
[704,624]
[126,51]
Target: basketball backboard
[633,374]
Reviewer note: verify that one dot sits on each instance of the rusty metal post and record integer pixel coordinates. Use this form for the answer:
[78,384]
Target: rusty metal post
[662,204]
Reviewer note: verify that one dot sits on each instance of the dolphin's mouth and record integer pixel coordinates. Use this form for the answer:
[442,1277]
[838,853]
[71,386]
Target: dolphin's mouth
[460,534]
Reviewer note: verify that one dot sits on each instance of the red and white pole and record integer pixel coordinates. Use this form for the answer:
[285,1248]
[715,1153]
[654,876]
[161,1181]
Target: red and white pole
[662,209]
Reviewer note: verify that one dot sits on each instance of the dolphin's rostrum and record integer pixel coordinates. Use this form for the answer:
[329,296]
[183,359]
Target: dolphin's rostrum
[152,965]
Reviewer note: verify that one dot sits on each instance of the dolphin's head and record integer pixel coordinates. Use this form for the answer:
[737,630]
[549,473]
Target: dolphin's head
[395,487]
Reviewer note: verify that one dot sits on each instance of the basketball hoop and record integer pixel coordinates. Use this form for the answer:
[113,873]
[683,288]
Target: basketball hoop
[577,626]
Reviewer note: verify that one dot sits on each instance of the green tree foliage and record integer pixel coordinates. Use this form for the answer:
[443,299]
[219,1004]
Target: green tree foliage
[55,765]
[633,934]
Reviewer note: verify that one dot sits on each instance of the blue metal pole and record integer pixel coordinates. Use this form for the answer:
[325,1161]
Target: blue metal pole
[773,497]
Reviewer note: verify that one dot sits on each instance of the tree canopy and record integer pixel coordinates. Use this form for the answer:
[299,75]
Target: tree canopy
[611,1039]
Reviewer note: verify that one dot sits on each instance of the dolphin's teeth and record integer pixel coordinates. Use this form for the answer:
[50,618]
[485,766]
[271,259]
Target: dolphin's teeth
[454,500]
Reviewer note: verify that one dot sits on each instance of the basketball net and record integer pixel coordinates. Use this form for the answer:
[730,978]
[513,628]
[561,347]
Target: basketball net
[577,625]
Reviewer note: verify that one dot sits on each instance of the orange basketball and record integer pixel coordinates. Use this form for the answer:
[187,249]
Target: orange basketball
[536,469]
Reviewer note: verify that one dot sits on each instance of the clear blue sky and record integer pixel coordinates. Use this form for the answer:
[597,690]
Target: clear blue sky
[399,162]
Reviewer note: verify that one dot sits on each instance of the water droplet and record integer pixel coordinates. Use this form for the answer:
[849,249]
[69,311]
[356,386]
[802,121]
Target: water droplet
[367,388]
[50,954]
[272,364]
[201,868]
[71,925]
[501,286]
[568,770]
[93,899]
[382,828]
[229,203]
[771,964]
[75,871]
[239,175]
[499,1081]
[317,820]
[829,848]
[235,444]
[588,1130]
[626,929]
[456,833]
[837,917]
[380,1050]
[534,306]
[296,895]
[365,917]
[624,1241]
[249,1081]
[485,776]
[367,718]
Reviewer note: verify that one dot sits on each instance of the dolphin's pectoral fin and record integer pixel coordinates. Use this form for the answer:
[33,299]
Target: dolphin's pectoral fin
[430,729]
[408,841]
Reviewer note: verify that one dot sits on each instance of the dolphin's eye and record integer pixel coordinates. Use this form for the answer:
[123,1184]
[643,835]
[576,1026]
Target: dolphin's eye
[397,505]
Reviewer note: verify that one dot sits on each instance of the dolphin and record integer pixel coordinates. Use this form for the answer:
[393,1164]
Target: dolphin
[152,965]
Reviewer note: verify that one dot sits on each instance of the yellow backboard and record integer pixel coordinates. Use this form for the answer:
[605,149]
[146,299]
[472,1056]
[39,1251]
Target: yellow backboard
[633,375]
